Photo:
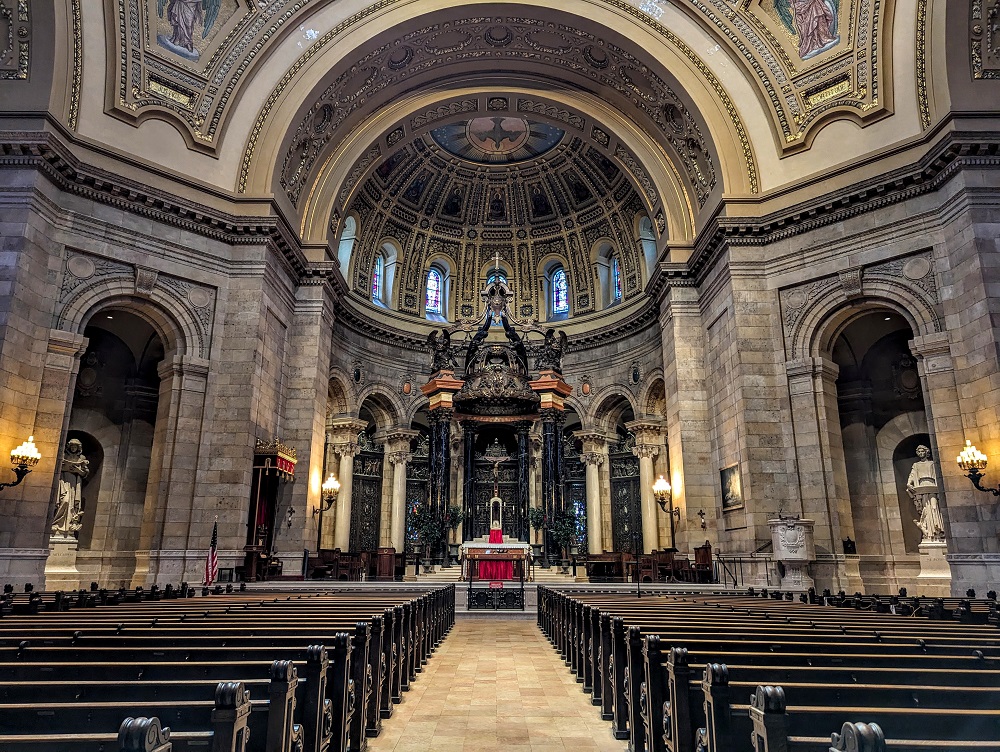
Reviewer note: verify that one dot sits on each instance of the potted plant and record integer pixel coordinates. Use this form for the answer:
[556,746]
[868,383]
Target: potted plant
[538,521]
[453,517]
[430,531]
[564,533]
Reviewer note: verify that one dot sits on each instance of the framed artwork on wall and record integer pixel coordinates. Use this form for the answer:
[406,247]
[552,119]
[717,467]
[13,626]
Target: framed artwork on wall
[732,489]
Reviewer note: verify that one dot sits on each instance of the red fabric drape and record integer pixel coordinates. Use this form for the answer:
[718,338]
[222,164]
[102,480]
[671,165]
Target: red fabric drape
[496,570]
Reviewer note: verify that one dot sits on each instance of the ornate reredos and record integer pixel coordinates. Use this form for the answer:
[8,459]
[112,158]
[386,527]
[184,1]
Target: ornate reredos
[146,78]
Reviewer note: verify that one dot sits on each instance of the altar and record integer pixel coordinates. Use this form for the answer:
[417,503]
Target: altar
[482,560]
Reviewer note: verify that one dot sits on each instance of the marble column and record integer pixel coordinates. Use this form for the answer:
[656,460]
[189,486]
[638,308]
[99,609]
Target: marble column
[523,476]
[469,457]
[398,455]
[647,445]
[594,455]
[345,445]
[440,460]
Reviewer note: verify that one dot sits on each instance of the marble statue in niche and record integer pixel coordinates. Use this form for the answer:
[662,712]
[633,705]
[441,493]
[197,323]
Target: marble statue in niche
[185,26]
[922,486]
[69,508]
[814,22]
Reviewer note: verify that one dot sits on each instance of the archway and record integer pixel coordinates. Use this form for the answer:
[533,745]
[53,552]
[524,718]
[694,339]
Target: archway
[113,414]
[882,420]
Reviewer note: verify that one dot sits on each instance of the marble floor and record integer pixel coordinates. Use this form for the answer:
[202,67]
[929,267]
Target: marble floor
[495,685]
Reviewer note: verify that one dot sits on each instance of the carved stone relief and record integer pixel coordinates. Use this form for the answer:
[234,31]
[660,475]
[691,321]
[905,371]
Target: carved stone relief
[183,300]
[910,278]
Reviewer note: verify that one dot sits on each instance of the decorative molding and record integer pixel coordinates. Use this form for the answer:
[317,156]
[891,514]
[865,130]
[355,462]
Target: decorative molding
[15,45]
[76,81]
[985,39]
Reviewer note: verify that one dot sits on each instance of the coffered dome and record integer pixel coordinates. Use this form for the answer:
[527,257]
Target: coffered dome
[464,194]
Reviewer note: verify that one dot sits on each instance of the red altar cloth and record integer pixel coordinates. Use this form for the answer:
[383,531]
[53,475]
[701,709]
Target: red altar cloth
[496,570]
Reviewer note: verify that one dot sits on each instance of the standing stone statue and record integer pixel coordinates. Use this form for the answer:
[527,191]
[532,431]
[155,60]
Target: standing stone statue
[922,485]
[69,508]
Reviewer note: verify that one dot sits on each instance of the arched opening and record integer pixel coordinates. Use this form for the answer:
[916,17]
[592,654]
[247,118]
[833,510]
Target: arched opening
[113,416]
[647,240]
[555,291]
[882,421]
[383,276]
[437,292]
[345,248]
[608,269]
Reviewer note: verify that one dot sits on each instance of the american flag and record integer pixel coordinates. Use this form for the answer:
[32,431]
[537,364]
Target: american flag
[212,561]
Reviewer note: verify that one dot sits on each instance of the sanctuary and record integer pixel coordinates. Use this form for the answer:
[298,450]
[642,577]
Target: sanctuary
[698,291]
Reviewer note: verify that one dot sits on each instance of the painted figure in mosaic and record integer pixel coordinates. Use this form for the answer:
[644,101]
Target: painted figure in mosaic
[69,509]
[187,17]
[922,485]
[813,21]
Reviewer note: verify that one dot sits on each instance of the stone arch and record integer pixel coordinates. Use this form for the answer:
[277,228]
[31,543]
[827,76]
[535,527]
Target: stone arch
[339,393]
[609,404]
[181,330]
[652,396]
[386,406]
[817,327]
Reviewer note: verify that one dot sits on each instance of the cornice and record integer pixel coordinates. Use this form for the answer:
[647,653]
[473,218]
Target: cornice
[951,153]
[48,154]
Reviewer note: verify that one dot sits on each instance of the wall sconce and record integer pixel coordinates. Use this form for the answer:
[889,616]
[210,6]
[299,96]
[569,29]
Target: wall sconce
[331,487]
[704,525]
[662,492]
[664,497]
[23,458]
[973,462]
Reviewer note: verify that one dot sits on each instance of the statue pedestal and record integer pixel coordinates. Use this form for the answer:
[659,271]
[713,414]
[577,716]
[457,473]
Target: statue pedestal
[794,550]
[60,568]
[935,572]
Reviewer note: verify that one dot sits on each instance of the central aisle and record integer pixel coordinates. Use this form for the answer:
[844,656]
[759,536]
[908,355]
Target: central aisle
[495,685]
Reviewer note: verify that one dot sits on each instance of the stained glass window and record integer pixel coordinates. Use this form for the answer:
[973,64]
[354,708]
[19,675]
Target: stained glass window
[432,302]
[616,279]
[377,273]
[494,276]
[560,292]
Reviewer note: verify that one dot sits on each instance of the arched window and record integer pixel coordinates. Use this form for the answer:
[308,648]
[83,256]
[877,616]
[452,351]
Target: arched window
[494,276]
[560,292]
[378,279]
[346,245]
[432,301]
[616,279]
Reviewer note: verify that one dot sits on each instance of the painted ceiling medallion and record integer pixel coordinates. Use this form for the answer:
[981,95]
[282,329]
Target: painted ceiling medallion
[497,139]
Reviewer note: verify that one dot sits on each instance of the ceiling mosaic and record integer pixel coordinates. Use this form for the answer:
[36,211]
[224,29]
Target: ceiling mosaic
[433,205]
[497,139]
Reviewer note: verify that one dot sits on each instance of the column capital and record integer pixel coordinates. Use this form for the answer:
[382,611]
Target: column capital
[399,458]
[647,433]
[392,436]
[592,458]
[440,415]
[593,441]
[552,415]
[345,448]
[645,451]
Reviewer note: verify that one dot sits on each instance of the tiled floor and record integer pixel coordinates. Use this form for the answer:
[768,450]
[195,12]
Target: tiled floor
[495,685]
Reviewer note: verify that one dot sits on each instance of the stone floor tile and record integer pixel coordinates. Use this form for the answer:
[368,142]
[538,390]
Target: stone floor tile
[494,686]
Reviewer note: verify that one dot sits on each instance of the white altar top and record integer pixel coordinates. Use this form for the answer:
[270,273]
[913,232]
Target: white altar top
[485,546]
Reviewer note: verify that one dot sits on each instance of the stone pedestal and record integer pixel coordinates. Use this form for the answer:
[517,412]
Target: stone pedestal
[794,550]
[935,572]
[60,569]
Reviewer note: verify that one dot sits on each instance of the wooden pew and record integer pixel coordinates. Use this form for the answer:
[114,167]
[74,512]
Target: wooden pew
[421,623]
[656,700]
